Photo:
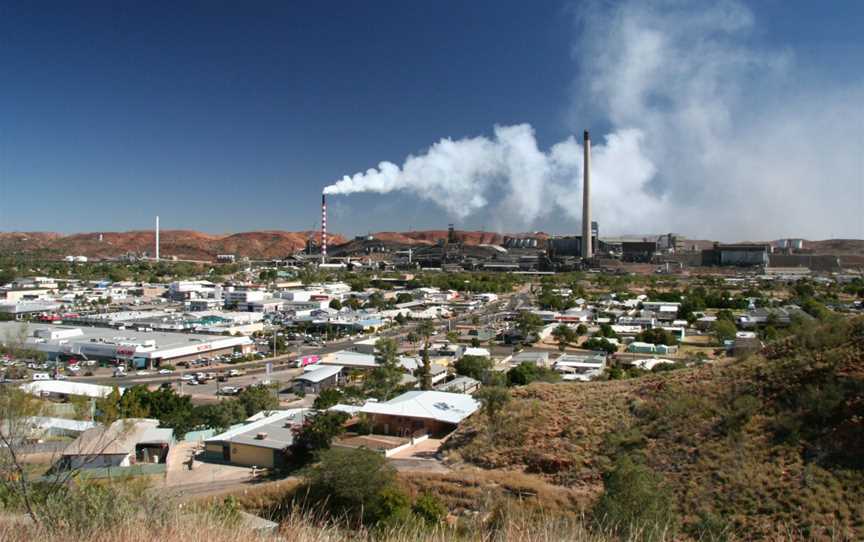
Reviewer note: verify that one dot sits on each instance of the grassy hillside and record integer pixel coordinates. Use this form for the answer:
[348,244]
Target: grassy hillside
[752,448]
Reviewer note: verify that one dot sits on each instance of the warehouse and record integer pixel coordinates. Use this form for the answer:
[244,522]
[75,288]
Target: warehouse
[140,348]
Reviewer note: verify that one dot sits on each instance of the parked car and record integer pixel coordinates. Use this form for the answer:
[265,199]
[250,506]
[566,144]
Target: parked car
[142,373]
[187,378]
[193,382]
[41,376]
[228,390]
[165,371]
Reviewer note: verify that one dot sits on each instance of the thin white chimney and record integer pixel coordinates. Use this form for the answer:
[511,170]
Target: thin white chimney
[587,249]
[157,238]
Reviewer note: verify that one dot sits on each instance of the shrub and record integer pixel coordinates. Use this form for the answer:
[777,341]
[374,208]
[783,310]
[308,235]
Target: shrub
[634,501]
[429,508]
[349,482]
[391,506]
[527,372]
[739,412]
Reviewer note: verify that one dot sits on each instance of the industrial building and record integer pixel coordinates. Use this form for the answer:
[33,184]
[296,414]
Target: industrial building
[638,251]
[745,255]
[124,443]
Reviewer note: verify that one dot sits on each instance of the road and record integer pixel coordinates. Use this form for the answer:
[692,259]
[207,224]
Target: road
[282,373]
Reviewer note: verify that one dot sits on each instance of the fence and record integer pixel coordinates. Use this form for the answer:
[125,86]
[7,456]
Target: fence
[143,469]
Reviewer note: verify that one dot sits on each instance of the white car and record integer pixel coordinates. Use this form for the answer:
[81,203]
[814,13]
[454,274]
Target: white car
[165,371]
[74,368]
[187,378]
[142,373]
[193,382]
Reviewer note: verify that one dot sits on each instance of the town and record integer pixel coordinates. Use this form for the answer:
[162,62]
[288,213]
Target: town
[575,270]
[230,381]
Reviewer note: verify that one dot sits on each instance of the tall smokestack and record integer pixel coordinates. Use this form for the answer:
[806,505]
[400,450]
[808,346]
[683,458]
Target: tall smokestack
[587,249]
[157,238]
[323,228]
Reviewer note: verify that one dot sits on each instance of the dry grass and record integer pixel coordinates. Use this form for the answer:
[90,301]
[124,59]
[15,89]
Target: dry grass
[746,481]
[497,527]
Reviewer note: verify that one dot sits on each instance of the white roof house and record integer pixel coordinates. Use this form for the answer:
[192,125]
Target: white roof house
[320,373]
[349,359]
[480,352]
[65,387]
[431,405]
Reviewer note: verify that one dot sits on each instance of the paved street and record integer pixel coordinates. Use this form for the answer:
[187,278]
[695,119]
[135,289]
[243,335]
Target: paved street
[282,373]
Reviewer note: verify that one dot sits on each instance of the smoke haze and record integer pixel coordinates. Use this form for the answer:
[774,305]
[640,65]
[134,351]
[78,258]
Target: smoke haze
[711,135]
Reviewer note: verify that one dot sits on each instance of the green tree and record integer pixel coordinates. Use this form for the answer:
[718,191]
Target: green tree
[657,335]
[220,416]
[606,331]
[473,366]
[108,407]
[582,330]
[564,335]
[7,275]
[599,344]
[425,329]
[492,400]
[317,433]
[335,304]
[327,398]
[257,398]
[118,273]
[528,325]
[723,330]
[384,380]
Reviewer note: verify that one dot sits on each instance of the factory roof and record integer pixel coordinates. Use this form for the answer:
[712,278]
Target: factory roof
[167,344]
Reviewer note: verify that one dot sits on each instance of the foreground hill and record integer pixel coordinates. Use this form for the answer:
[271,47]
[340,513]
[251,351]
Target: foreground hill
[754,448]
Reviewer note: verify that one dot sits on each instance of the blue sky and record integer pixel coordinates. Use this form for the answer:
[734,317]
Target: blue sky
[232,116]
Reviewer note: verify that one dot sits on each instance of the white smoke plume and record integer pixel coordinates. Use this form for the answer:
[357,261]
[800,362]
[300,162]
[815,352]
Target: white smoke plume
[711,136]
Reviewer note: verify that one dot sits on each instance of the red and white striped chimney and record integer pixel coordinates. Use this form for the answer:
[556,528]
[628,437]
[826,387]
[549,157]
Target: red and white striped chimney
[323,228]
